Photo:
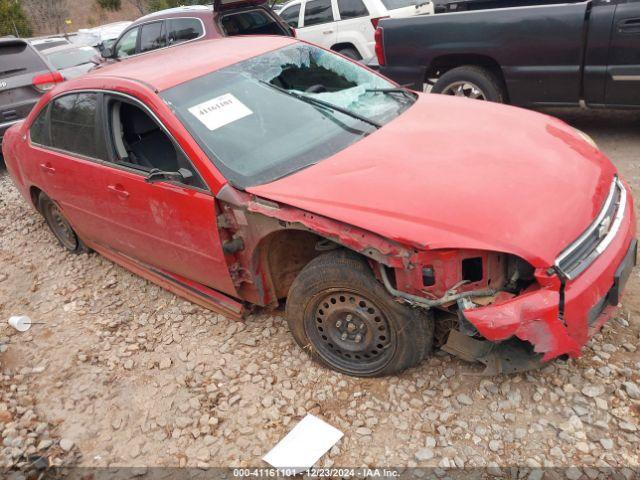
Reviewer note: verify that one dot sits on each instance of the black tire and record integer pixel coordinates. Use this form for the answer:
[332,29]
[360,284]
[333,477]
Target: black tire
[330,300]
[486,82]
[60,226]
[349,52]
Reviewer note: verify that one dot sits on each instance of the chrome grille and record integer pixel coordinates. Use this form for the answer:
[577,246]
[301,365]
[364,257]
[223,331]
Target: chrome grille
[577,257]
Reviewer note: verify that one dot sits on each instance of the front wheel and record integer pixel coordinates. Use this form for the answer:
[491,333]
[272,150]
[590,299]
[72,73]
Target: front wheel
[471,82]
[346,320]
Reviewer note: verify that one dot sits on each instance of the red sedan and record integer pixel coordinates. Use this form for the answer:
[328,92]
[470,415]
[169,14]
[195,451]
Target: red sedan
[265,169]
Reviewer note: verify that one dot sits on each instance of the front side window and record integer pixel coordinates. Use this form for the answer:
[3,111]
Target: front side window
[127,44]
[74,126]
[257,120]
[291,15]
[151,37]
[351,9]
[253,22]
[141,143]
[183,29]
[317,12]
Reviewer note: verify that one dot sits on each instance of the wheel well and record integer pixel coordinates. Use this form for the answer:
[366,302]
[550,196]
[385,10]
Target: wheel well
[339,46]
[282,255]
[445,63]
[34,193]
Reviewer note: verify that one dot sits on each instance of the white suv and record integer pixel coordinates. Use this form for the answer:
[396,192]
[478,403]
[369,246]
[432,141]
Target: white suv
[347,26]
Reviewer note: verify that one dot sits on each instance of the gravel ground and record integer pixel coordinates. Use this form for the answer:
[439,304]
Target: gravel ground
[123,373]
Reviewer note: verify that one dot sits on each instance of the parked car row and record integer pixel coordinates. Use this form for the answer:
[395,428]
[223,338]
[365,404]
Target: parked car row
[563,54]
[268,170]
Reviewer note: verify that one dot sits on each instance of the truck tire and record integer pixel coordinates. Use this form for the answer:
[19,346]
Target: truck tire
[346,320]
[471,82]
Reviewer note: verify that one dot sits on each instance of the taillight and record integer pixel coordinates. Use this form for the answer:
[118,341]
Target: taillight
[380,46]
[375,21]
[47,81]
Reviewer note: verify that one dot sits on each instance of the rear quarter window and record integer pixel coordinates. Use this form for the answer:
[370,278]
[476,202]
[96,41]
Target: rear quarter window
[19,58]
[39,131]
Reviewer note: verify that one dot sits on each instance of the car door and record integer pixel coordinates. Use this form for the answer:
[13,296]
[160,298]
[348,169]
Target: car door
[170,226]
[623,82]
[319,25]
[67,143]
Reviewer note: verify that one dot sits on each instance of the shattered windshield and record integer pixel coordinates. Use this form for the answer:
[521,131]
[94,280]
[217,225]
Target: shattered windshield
[269,116]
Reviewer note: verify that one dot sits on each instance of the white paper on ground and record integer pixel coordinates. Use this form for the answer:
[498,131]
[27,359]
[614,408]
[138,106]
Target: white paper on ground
[303,446]
[220,111]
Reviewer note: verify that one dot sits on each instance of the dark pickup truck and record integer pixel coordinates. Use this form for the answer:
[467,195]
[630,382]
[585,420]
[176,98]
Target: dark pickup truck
[545,55]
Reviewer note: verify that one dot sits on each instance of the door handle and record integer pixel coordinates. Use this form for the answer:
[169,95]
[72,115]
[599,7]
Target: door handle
[327,32]
[118,190]
[630,25]
[47,168]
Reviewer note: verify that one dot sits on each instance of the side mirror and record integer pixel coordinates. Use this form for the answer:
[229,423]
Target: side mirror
[182,175]
[107,52]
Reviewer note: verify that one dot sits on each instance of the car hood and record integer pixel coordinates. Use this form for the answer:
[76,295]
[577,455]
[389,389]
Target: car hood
[459,173]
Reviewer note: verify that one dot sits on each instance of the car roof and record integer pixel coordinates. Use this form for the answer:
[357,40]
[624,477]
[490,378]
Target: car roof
[193,10]
[190,60]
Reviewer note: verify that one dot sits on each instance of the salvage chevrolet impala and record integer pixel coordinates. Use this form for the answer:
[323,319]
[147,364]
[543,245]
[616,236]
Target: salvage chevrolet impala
[264,170]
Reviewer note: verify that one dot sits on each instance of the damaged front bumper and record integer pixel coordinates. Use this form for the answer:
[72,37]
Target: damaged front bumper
[556,319]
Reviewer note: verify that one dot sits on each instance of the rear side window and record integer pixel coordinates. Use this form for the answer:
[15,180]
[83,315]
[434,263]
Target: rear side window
[253,22]
[74,126]
[352,9]
[183,29]
[18,58]
[317,12]
[151,37]
[291,15]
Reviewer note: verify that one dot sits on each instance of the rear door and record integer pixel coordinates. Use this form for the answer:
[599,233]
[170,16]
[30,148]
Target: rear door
[67,144]
[319,24]
[623,82]
[19,65]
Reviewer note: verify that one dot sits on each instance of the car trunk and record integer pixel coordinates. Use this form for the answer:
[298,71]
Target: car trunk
[20,64]
[250,17]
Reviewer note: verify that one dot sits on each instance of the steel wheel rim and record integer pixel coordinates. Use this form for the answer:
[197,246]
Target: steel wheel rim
[350,332]
[465,89]
[62,228]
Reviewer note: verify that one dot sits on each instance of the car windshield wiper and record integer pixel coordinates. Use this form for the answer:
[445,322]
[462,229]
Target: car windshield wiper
[322,103]
[403,91]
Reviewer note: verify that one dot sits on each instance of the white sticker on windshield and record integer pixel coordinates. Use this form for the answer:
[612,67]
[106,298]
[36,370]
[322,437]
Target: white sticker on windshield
[220,111]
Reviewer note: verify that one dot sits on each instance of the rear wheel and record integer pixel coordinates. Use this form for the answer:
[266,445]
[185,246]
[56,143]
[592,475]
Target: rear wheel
[351,53]
[471,82]
[346,320]
[59,225]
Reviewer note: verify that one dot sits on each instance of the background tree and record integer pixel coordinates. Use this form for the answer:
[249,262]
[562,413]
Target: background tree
[47,15]
[147,6]
[13,20]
